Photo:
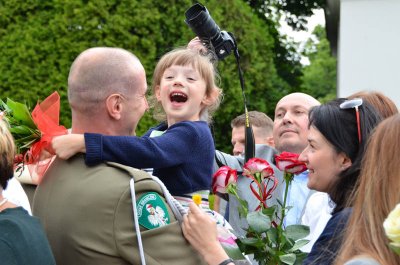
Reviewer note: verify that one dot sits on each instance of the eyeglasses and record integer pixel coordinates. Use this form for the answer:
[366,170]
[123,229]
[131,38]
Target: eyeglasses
[354,103]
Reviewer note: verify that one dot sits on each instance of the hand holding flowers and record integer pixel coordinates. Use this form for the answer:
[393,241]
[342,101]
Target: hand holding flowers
[266,237]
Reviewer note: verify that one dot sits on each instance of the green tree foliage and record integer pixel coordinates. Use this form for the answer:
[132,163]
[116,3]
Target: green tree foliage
[285,56]
[296,11]
[40,39]
[319,78]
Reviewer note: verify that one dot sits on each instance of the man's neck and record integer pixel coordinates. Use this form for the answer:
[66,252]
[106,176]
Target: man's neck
[81,128]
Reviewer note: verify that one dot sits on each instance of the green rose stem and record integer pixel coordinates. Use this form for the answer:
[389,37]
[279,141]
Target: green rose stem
[288,179]
[232,190]
[260,189]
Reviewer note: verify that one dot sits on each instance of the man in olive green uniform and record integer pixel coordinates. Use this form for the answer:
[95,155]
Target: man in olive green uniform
[87,212]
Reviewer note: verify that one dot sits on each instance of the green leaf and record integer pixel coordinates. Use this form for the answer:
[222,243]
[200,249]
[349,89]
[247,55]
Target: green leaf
[233,252]
[296,232]
[395,247]
[243,210]
[270,211]
[259,222]
[272,234]
[288,258]
[288,207]
[298,244]
[4,106]
[24,130]
[21,113]
[250,241]
[28,144]
[300,257]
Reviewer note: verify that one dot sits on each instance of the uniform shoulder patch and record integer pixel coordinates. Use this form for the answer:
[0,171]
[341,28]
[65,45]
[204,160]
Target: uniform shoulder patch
[152,211]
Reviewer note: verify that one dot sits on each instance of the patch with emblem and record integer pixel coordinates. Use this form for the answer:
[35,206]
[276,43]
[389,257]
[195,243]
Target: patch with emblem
[152,211]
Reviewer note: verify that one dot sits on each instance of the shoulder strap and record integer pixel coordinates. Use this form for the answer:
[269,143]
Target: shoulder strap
[176,207]
[135,177]
[135,218]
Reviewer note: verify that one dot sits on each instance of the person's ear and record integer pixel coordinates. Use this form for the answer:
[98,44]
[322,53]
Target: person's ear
[345,162]
[211,98]
[270,141]
[157,92]
[114,106]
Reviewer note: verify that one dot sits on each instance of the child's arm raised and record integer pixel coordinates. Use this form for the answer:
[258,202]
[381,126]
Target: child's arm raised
[65,146]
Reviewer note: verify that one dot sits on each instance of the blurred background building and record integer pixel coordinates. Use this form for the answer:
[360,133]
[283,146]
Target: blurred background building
[365,37]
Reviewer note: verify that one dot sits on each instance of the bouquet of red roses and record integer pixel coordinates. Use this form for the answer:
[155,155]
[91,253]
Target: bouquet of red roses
[266,237]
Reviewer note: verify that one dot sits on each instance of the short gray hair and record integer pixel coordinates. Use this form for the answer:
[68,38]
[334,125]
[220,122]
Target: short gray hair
[98,72]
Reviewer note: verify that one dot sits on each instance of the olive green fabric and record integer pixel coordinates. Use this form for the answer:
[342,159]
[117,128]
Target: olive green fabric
[88,217]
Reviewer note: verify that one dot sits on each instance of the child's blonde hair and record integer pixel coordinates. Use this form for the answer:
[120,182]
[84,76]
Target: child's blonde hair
[201,63]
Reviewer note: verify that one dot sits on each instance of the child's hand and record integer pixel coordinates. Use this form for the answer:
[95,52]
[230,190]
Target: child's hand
[197,44]
[65,146]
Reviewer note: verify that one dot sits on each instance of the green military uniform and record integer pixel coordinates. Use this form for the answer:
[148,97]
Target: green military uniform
[88,218]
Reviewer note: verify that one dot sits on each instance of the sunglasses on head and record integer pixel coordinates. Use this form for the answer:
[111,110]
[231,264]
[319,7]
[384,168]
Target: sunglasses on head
[354,103]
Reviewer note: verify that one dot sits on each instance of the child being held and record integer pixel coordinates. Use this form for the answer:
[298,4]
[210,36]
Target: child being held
[180,149]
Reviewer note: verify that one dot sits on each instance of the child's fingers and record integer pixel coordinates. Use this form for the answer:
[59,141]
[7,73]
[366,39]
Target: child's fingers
[61,146]
[194,209]
[46,153]
[196,44]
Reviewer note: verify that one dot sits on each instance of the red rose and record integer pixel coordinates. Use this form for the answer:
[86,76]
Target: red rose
[289,162]
[257,165]
[222,178]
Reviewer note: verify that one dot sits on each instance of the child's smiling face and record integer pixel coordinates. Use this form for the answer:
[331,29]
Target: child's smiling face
[182,92]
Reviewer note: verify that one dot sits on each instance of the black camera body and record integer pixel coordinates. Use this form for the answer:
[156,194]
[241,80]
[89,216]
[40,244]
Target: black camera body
[199,20]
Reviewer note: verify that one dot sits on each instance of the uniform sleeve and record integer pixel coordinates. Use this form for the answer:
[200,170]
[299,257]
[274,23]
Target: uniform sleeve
[7,254]
[170,149]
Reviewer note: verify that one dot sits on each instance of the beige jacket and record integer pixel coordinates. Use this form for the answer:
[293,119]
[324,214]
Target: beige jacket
[88,218]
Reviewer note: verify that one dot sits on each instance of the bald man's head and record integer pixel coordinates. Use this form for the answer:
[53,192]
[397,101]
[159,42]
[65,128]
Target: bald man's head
[98,72]
[291,122]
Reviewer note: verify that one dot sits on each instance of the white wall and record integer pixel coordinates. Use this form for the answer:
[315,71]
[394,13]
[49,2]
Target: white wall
[369,47]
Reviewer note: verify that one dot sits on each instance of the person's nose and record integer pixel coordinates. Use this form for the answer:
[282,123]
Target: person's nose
[287,118]
[303,156]
[178,81]
[238,149]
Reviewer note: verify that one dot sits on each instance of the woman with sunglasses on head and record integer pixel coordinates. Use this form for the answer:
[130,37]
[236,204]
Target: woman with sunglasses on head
[318,201]
[377,194]
[338,132]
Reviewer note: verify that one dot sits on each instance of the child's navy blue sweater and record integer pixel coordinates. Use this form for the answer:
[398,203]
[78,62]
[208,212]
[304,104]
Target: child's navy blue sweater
[182,157]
